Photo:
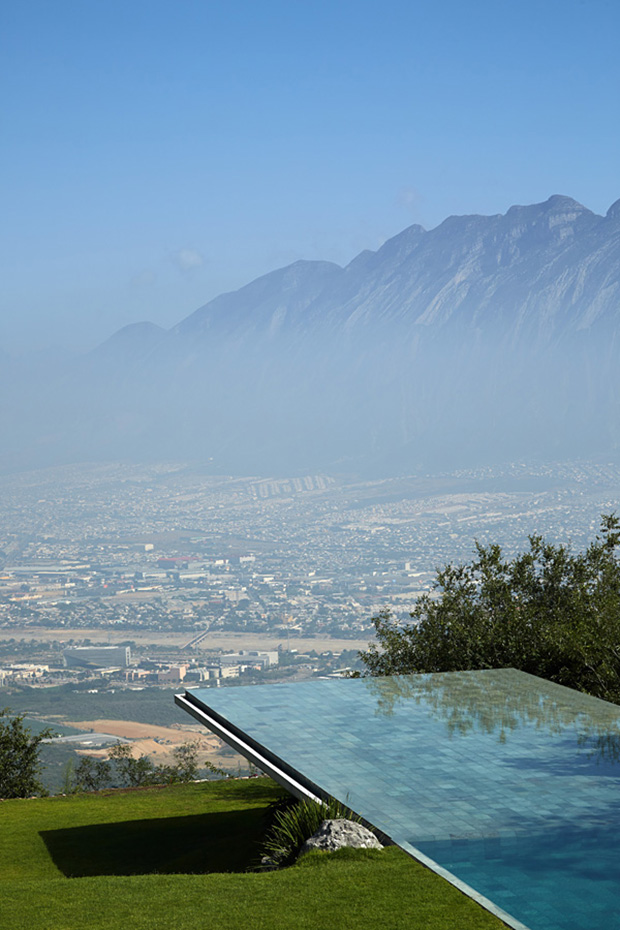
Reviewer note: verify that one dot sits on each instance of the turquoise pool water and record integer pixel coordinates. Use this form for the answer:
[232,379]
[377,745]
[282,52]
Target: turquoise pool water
[505,780]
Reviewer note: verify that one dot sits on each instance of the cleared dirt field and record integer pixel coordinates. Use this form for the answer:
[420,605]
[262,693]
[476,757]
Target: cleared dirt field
[134,730]
[226,641]
[64,634]
[158,742]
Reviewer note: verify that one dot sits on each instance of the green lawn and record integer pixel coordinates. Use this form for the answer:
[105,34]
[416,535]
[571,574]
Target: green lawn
[175,859]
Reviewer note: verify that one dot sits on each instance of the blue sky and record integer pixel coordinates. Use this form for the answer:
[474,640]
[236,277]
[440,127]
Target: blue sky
[158,153]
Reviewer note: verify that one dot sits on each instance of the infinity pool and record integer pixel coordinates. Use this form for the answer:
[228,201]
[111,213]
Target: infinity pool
[507,782]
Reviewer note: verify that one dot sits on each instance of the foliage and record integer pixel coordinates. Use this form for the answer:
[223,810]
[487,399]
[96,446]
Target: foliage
[294,823]
[68,776]
[547,612]
[91,775]
[186,766]
[19,757]
[122,770]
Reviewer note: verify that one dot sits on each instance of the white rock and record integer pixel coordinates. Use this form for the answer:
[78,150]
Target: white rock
[335,834]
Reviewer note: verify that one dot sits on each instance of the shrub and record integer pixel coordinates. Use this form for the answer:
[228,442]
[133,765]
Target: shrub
[19,757]
[294,823]
[121,770]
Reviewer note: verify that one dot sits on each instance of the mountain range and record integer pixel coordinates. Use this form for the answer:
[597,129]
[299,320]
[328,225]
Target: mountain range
[486,339]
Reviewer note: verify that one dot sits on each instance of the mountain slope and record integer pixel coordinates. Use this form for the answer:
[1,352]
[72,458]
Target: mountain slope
[487,338]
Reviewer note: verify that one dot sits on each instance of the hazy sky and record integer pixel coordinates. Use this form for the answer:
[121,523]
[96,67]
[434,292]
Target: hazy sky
[157,153]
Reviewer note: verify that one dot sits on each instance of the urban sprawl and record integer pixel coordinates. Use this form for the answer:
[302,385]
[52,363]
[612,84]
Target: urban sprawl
[187,568]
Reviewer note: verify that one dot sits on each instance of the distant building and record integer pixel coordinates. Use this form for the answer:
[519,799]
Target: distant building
[237,559]
[25,671]
[249,657]
[199,674]
[172,675]
[97,656]
[214,672]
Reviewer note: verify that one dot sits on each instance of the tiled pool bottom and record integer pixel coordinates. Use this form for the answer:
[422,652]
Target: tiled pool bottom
[506,781]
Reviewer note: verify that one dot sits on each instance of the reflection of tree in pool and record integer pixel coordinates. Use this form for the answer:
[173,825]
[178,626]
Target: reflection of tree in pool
[501,701]
[604,745]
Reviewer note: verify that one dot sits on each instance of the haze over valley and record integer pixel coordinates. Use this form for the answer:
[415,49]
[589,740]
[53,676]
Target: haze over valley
[485,340]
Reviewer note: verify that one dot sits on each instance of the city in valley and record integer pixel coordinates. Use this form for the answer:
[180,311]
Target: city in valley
[195,572]
[120,584]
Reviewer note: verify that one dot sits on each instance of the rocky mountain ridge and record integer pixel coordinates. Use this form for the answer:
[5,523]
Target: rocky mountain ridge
[556,260]
[484,339]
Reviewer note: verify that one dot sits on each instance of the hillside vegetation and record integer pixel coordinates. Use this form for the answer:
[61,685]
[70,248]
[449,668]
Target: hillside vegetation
[149,706]
[177,857]
[548,611]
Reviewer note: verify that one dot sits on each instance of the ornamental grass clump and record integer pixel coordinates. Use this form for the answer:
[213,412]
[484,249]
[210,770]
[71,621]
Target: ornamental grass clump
[292,823]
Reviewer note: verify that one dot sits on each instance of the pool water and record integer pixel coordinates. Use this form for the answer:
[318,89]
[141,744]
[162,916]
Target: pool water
[507,781]
[547,880]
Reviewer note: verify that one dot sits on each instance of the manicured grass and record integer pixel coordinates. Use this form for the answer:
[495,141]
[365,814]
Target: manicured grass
[207,827]
[112,844]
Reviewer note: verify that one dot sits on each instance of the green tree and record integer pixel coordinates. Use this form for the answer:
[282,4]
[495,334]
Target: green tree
[121,770]
[186,767]
[90,775]
[547,611]
[133,773]
[19,757]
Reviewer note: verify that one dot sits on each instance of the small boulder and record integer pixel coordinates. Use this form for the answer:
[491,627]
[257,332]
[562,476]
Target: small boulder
[335,834]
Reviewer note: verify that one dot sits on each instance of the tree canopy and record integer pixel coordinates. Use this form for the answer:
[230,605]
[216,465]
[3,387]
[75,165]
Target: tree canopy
[547,611]
[19,757]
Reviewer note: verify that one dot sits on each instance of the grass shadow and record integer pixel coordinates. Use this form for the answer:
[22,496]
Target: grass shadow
[225,841]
